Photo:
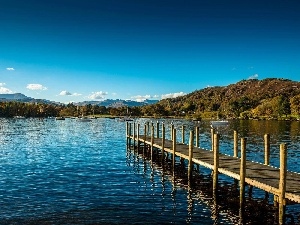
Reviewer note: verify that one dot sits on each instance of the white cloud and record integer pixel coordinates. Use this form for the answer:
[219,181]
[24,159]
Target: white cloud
[64,93]
[67,93]
[97,95]
[36,87]
[10,69]
[254,76]
[4,90]
[141,98]
[173,95]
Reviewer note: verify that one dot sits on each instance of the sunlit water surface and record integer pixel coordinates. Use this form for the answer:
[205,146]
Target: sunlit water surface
[70,172]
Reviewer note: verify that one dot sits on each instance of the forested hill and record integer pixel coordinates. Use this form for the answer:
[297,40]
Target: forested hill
[248,98]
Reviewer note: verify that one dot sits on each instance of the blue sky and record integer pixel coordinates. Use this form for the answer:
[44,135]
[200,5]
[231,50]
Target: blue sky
[77,50]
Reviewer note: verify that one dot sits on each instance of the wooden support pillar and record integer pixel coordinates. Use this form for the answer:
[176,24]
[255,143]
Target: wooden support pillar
[282,183]
[148,128]
[267,149]
[235,144]
[145,136]
[152,142]
[127,134]
[138,137]
[133,135]
[212,138]
[191,148]
[182,134]
[174,148]
[163,144]
[172,128]
[157,129]
[197,137]
[242,178]
[216,162]
[129,131]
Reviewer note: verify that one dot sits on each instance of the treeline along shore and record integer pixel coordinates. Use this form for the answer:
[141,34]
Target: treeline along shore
[270,98]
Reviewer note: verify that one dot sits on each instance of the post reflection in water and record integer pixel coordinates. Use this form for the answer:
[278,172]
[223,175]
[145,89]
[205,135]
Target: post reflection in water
[206,198]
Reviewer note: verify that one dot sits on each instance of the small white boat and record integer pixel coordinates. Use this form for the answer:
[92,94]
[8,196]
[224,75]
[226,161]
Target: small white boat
[218,123]
[125,118]
[19,117]
[60,118]
[84,119]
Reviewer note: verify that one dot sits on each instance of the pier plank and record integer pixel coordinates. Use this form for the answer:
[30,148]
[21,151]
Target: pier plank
[259,175]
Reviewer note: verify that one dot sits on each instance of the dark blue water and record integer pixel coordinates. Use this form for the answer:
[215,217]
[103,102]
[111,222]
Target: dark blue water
[70,172]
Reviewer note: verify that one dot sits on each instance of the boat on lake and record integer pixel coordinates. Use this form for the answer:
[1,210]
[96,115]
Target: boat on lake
[125,118]
[60,118]
[219,123]
[84,119]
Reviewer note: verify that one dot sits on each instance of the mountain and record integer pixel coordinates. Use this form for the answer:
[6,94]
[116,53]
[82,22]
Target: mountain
[18,97]
[255,97]
[115,103]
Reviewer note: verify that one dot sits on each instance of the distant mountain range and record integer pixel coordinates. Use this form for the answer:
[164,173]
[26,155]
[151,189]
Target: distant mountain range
[18,97]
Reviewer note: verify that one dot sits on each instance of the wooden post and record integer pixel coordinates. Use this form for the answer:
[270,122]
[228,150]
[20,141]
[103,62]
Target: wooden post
[197,137]
[216,162]
[174,148]
[138,137]
[235,144]
[163,144]
[242,178]
[133,135]
[191,148]
[282,183]
[212,138]
[147,128]
[267,149]
[127,134]
[172,128]
[152,142]
[145,136]
[157,129]
[182,134]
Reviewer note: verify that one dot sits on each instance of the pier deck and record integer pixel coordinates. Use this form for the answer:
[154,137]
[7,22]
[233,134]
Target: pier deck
[258,175]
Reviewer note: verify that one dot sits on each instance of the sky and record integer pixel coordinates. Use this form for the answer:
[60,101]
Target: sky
[92,50]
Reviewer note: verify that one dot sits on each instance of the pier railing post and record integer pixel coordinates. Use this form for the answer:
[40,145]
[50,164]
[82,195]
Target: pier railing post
[282,183]
[216,138]
[242,178]
[129,131]
[174,148]
[235,144]
[163,143]
[145,136]
[197,137]
[212,138]
[152,142]
[172,128]
[182,134]
[157,129]
[133,134]
[267,149]
[138,137]
[191,148]
[127,134]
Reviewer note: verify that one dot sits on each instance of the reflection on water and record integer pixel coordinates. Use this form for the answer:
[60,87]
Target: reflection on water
[65,172]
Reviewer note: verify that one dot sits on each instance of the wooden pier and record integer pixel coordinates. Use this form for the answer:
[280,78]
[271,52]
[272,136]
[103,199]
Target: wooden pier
[284,185]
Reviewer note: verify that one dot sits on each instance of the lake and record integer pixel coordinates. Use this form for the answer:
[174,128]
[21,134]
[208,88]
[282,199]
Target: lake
[70,172]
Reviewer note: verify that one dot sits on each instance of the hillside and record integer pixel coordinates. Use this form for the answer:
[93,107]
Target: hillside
[248,98]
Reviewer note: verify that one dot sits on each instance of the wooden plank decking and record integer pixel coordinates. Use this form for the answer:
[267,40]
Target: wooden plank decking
[258,175]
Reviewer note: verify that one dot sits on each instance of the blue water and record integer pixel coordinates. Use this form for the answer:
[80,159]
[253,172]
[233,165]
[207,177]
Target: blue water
[69,172]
